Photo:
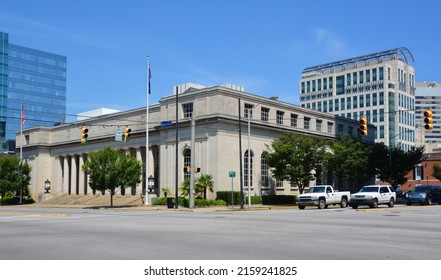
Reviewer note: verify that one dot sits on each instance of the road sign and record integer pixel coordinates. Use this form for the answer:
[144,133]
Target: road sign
[118,136]
[232,174]
[166,123]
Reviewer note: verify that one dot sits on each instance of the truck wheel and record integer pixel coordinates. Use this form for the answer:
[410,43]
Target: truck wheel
[374,203]
[322,203]
[391,202]
[301,207]
[344,203]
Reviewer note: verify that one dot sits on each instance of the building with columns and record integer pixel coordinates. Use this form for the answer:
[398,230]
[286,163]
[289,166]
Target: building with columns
[221,116]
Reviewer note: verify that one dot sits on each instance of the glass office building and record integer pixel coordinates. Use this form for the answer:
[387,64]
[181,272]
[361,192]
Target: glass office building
[380,86]
[35,80]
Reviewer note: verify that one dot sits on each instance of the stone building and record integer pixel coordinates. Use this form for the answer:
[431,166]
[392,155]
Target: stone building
[220,143]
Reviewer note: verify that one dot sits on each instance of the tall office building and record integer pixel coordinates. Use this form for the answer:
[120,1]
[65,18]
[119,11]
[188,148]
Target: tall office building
[34,78]
[428,95]
[380,86]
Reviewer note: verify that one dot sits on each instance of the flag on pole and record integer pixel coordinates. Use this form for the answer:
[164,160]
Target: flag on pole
[150,76]
[23,120]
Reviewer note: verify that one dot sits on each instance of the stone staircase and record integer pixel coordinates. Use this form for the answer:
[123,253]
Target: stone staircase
[97,200]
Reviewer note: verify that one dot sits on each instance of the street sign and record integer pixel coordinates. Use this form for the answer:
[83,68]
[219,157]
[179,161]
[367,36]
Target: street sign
[166,123]
[232,174]
[118,136]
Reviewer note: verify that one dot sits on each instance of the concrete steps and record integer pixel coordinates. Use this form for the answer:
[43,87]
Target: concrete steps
[93,200]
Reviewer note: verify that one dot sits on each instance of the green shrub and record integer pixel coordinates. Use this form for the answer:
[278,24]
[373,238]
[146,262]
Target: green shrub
[226,197]
[14,200]
[182,201]
[279,199]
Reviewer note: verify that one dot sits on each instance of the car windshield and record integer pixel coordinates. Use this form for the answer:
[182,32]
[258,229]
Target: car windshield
[369,189]
[316,190]
[421,189]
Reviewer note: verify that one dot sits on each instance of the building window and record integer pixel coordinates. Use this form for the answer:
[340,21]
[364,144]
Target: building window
[374,75]
[381,115]
[325,83]
[354,78]
[318,125]
[246,169]
[330,127]
[340,128]
[26,139]
[374,99]
[368,76]
[303,87]
[319,84]
[381,73]
[264,175]
[188,110]
[361,77]
[374,116]
[264,114]
[248,112]
[381,98]
[294,119]
[279,117]
[340,84]
[306,123]
[187,161]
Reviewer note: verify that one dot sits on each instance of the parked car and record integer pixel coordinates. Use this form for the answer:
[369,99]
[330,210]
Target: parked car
[322,196]
[424,195]
[374,195]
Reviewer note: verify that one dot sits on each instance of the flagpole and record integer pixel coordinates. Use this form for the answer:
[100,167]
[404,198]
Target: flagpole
[146,202]
[21,145]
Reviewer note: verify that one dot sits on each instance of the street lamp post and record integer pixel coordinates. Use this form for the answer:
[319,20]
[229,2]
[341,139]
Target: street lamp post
[151,182]
[47,186]
[249,111]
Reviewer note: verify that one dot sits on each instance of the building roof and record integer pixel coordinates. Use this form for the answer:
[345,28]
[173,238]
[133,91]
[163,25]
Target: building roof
[401,53]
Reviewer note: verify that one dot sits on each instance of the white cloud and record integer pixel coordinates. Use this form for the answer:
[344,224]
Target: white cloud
[327,38]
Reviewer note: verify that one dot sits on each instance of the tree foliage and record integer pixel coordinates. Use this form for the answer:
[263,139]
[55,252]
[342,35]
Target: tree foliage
[436,171]
[14,175]
[294,157]
[392,163]
[350,161]
[202,184]
[109,170]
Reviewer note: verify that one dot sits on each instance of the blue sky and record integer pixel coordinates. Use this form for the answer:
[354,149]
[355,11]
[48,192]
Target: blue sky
[260,45]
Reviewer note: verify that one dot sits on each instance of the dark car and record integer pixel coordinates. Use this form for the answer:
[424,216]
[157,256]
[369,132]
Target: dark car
[424,195]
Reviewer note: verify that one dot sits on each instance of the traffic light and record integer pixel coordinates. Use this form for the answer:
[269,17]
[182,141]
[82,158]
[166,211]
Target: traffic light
[363,130]
[428,119]
[84,135]
[127,134]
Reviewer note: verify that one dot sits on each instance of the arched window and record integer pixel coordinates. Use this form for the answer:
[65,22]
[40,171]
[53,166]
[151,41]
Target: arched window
[246,169]
[187,161]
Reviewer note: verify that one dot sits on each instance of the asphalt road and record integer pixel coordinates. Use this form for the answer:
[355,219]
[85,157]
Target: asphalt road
[399,233]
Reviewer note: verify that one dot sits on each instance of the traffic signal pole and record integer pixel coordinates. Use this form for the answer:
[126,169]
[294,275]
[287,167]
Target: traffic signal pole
[192,169]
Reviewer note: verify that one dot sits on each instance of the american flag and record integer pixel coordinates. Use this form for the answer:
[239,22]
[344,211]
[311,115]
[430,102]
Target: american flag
[23,120]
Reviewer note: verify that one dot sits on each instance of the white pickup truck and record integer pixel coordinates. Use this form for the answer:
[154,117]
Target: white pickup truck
[322,196]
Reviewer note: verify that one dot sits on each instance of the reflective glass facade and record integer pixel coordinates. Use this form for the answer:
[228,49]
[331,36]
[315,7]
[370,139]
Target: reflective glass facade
[36,78]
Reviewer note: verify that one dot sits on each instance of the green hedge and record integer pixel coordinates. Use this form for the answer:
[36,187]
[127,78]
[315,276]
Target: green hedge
[184,202]
[13,200]
[279,199]
[226,196]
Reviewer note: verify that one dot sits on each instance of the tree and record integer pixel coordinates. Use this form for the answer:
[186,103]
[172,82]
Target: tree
[436,171]
[185,187]
[110,170]
[293,157]
[204,183]
[350,160]
[14,176]
[392,164]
